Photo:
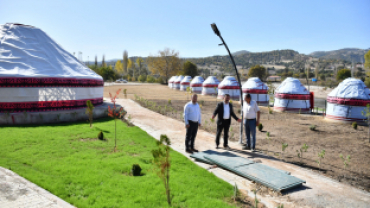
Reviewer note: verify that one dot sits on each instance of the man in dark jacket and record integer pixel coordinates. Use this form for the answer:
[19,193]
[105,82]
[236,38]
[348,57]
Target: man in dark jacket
[224,111]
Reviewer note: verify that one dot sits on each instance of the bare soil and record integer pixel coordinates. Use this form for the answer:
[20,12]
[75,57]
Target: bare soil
[293,129]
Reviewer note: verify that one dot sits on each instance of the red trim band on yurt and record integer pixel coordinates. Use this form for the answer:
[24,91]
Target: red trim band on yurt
[229,87]
[196,85]
[210,85]
[344,101]
[292,96]
[49,82]
[47,105]
[255,91]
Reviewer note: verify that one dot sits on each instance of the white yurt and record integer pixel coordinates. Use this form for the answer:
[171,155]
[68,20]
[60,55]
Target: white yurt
[210,86]
[292,96]
[347,101]
[177,81]
[185,83]
[170,81]
[257,89]
[196,84]
[37,74]
[229,85]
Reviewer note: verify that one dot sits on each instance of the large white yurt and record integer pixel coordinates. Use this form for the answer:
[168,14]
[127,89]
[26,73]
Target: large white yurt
[37,74]
[347,101]
[210,86]
[185,83]
[229,85]
[177,81]
[170,81]
[257,89]
[196,84]
[292,96]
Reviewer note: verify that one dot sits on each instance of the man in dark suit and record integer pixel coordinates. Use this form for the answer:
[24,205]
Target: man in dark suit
[224,111]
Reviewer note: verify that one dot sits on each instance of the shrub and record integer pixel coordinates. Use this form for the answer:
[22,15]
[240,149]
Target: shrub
[260,127]
[142,78]
[133,79]
[313,127]
[354,125]
[100,135]
[90,111]
[169,102]
[136,170]
[160,80]
[150,79]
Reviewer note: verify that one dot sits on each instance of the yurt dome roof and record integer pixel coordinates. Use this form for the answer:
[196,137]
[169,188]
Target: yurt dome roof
[186,79]
[254,83]
[351,88]
[211,81]
[292,86]
[229,81]
[197,79]
[178,79]
[27,51]
[172,79]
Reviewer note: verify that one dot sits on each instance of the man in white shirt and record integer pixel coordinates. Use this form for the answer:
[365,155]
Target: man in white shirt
[192,118]
[224,112]
[251,112]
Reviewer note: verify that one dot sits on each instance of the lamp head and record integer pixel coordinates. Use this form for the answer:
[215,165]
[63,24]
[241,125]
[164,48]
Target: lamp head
[215,29]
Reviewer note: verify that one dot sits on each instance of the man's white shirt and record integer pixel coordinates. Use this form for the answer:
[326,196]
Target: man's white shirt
[192,113]
[226,111]
[250,110]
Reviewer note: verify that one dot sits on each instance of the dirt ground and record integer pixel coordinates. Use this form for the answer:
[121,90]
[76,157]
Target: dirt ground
[292,129]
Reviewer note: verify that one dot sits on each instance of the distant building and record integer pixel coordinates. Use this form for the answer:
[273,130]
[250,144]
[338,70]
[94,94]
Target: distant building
[274,78]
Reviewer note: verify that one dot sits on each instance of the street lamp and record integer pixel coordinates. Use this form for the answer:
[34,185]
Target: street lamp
[217,32]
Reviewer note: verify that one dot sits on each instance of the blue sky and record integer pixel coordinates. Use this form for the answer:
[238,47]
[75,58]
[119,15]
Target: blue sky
[144,27]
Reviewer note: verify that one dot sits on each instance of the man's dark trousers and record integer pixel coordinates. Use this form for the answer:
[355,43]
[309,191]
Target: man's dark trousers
[191,133]
[225,126]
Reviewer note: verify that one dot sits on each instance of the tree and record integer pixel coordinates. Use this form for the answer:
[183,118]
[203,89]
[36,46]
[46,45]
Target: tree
[96,62]
[115,113]
[90,111]
[343,74]
[103,62]
[166,63]
[317,71]
[190,69]
[131,65]
[257,71]
[139,62]
[125,61]
[119,67]
[367,60]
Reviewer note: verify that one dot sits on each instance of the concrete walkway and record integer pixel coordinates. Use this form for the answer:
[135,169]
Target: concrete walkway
[17,192]
[319,191]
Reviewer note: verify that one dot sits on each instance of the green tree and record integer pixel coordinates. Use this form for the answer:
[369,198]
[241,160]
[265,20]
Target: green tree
[125,61]
[142,78]
[139,62]
[119,67]
[96,62]
[257,71]
[343,74]
[166,63]
[103,62]
[367,60]
[190,69]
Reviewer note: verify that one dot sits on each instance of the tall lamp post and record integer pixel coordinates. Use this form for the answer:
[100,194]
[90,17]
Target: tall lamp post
[217,32]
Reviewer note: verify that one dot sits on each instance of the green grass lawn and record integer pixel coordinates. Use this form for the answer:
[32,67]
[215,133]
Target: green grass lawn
[66,160]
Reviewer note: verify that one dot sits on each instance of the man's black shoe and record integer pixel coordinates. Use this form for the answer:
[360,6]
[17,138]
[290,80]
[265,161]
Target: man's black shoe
[226,147]
[189,151]
[246,148]
[194,150]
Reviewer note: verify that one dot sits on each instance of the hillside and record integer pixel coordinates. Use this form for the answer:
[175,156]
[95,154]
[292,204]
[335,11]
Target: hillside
[347,54]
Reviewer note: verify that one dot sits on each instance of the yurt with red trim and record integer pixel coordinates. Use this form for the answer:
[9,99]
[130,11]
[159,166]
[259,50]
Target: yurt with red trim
[257,89]
[196,85]
[347,101]
[210,86]
[292,96]
[170,81]
[177,81]
[229,85]
[37,74]
[185,83]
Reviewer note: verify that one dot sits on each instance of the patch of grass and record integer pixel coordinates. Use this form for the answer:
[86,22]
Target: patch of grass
[89,174]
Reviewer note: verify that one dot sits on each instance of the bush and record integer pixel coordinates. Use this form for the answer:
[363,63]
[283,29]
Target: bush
[136,170]
[101,135]
[142,78]
[260,127]
[354,125]
[150,79]
[343,74]
[160,80]
[313,127]
[322,77]
[133,79]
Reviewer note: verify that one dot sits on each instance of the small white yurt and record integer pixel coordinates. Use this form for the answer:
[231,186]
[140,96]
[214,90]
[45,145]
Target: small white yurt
[196,84]
[170,81]
[185,83]
[292,96]
[210,86]
[176,82]
[229,86]
[257,89]
[347,101]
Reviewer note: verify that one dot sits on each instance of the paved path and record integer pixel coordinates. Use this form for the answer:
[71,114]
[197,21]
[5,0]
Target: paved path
[319,191]
[17,192]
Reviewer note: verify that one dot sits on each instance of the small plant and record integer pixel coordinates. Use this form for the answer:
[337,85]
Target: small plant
[201,102]
[256,201]
[125,92]
[146,103]
[136,170]
[115,114]
[346,161]
[101,135]
[354,125]
[169,102]
[162,163]
[212,120]
[280,206]
[283,147]
[90,111]
[366,113]
[236,192]
[313,127]
[260,127]
[321,155]
[304,148]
